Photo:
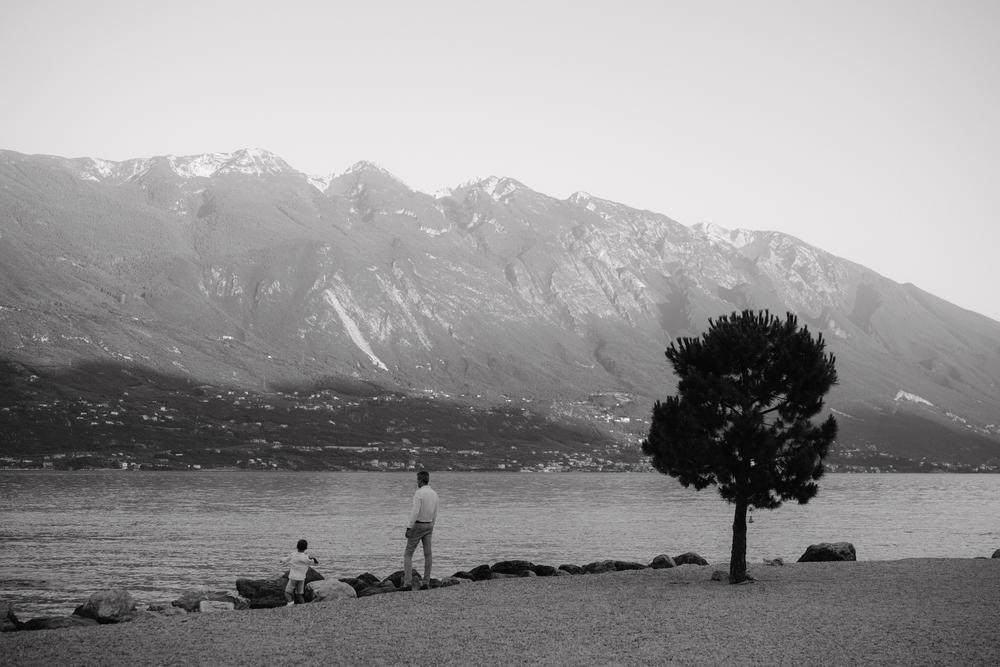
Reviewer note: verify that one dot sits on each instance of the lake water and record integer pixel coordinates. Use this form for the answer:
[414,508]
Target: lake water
[65,535]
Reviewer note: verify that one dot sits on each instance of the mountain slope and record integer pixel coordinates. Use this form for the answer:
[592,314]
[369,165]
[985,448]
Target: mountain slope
[237,270]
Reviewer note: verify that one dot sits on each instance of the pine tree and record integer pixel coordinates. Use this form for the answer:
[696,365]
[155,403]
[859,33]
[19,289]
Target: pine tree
[747,390]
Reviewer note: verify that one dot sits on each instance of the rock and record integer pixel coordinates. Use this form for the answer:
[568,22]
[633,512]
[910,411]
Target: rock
[55,622]
[328,590]
[621,565]
[828,551]
[527,573]
[545,571]
[111,606]
[379,588]
[502,575]
[311,576]
[720,575]
[215,606]
[8,620]
[561,573]
[599,567]
[512,567]
[571,569]
[774,561]
[481,573]
[191,600]
[368,578]
[356,584]
[454,581]
[397,579]
[662,561]
[996,554]
[462,574]
[689,558]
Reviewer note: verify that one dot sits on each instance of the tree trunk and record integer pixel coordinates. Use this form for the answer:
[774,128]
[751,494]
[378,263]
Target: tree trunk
[738,558]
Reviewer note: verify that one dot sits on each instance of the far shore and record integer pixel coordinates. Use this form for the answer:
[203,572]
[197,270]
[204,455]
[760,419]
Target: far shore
[912,612]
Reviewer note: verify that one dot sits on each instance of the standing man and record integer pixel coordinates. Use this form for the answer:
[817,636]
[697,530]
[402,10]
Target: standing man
[419,528]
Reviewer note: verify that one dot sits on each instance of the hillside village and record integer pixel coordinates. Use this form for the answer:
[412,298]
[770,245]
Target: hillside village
[213,428]
[217,428]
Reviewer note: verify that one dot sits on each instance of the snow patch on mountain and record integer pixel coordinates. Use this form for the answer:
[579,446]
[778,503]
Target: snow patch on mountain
[912,398]
[247,161]
[736,238]
[352,328]
[253,162]
[197,166]
[365,166]
[497,187]
[96,169]
[321,183]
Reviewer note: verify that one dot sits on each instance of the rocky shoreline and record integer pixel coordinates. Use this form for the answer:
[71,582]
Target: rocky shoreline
[913,611]
[118,606]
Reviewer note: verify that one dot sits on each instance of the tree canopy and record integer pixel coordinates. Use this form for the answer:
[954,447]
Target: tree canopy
[747,391]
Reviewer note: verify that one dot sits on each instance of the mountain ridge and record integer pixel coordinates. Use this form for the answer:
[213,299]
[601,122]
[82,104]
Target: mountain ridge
[492,288]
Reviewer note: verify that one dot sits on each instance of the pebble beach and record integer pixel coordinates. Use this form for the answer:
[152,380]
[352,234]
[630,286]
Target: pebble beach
[913,612]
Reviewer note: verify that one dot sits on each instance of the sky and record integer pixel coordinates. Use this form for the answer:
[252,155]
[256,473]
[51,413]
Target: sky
[870,129]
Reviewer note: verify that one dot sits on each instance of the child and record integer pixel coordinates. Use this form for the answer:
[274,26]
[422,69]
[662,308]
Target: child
[298,565]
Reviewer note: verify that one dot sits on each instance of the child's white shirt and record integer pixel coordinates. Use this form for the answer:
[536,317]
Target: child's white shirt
[298,565]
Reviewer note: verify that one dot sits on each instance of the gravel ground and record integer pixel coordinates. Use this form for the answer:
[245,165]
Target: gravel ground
[913,612]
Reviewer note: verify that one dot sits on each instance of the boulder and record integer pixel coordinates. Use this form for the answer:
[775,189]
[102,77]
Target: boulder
[662,561]
[328,590]
[215,606]
[996,554]
[545,571]
[689,558]
[383,587]
[111,606]
[56,622]
[599,567]
[571,569]
[397,579]
[368,578]
[8,620]
[311,576]
[512,567]
[262,593]
[828,551]
[360,585]
[462,574]
[481,573]
[720,575]
[453,581]
[621,565]
[774,562]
